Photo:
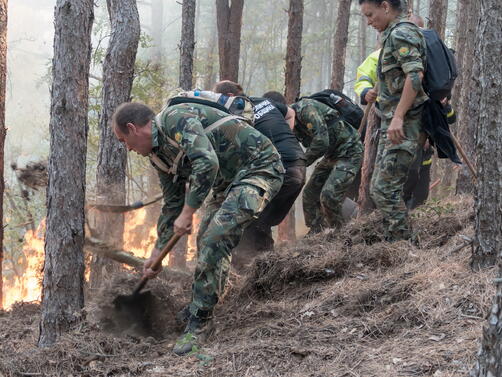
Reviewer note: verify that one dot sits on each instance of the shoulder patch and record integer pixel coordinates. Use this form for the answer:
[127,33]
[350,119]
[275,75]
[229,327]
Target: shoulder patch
[404,51]
[178,137]
[310,126]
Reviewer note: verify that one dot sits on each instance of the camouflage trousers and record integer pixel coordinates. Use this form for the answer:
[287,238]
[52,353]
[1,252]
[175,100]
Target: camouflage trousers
[391,172]
[325,191]
[226,216]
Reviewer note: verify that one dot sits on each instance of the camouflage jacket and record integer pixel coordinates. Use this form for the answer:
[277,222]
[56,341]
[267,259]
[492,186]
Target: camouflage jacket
[403,54]
[214,160]
[317,128]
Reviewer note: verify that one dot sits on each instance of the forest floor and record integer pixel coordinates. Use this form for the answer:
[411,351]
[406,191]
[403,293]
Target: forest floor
[339,304]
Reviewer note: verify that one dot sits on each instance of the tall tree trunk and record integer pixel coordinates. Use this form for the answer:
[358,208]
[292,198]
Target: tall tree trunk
[468,106]
[489,189]
[210,72]
[187,44]
[460,43]
[418,7]
[118,75]
[294,51]
[488,203]
[438,10]
[63,283]
[364,201]
[362,38]
[229,21]
[287,229]
[409,6]
[340,44]
[3,131]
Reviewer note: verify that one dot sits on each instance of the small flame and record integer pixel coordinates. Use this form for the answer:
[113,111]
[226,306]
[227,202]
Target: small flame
[27,286]
[192,238]
[138,240]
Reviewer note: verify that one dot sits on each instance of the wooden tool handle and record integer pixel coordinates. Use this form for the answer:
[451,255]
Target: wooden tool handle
[464,157]
[158,262]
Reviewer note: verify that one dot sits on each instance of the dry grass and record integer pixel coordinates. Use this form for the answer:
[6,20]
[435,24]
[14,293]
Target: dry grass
[344,304]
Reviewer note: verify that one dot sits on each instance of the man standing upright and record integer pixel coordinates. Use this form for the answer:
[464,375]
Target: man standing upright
[196,148]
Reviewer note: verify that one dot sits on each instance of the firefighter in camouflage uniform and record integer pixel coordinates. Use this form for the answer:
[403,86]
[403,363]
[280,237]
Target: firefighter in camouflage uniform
[196,149]
[325,136]
[400,98]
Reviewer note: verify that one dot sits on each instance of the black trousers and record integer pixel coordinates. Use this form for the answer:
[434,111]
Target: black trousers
[258,235]
[416,188]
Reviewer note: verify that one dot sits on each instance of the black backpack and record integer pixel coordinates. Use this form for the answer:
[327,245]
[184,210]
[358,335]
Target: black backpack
[441,70]
[349,111]
[435,124]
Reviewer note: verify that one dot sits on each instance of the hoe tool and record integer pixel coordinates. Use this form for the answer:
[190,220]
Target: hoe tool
[124,208]
[137,307]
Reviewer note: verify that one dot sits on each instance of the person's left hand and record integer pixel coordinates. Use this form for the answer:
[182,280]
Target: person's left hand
[395,132]
[183,224]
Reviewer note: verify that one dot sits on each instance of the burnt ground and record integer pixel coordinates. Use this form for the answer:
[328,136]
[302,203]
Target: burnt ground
[338,304]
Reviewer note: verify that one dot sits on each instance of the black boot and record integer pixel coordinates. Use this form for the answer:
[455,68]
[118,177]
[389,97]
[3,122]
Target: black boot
[183,315]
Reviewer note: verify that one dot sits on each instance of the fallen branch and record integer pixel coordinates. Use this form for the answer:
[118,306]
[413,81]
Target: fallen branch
[97,246]
[102,248]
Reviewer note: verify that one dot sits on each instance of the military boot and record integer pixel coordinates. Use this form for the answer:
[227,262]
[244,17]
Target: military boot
[197,329]
[183,315]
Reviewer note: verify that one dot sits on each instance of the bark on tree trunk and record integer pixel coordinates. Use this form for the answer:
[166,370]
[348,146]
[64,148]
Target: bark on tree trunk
[364,201]
[229,21]
[3,131]
[187,44]
[210,76]
[488,202]
[287,229]
[340,44]
[118,75]
[292,80]
[63,283]
[362,38]
[460,44]
[418,7]
[409,6]
[437,16]
[468,108]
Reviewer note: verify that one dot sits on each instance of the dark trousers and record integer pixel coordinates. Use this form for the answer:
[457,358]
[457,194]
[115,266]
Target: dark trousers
[416,188]
[258,235]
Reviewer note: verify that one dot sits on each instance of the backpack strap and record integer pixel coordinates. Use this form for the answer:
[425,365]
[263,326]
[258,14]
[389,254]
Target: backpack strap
[177,160]
[219,122]
[157,160]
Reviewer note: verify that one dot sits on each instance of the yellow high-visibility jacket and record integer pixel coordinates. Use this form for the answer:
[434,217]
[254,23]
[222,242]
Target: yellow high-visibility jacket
[367,75]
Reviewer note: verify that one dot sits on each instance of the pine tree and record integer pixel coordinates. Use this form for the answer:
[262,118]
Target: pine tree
[118,74]
[63,283]
[229,21]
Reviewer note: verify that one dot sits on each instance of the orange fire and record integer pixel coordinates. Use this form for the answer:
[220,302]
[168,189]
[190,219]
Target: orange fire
[192,238]
[27,286]
[26,283]
[138,240]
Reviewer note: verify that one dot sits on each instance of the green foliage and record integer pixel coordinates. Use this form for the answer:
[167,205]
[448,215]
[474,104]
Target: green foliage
[434,207]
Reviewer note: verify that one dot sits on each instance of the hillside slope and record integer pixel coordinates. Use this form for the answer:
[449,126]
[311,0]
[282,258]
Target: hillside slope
[339,304]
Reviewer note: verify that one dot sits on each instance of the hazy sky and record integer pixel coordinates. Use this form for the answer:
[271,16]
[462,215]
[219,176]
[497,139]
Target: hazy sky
[30,48]
[30,33]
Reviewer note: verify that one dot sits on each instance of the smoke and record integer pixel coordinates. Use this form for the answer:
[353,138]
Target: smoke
[29,34]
